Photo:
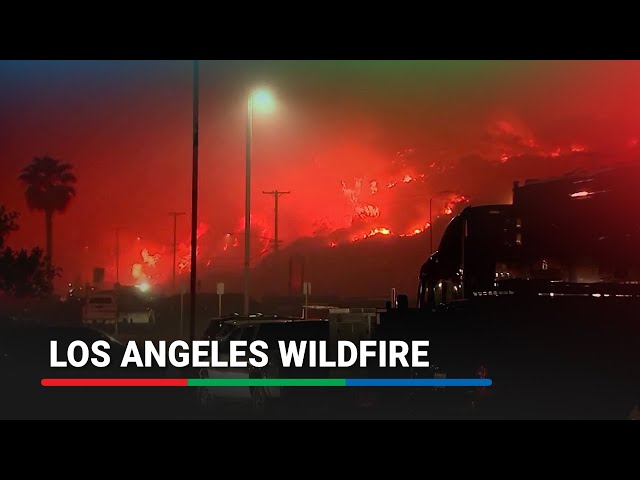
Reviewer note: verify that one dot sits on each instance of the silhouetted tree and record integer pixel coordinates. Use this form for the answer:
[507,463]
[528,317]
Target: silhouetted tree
[7,223]
[22,273]
[49,188]
[25,274]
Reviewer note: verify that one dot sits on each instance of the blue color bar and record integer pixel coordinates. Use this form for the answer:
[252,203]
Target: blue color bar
[418,382]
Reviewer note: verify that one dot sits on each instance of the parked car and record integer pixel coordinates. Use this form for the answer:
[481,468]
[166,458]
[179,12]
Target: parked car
[270,330]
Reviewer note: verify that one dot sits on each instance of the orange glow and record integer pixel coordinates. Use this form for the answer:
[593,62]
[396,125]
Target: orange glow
[415,231]
[372,232]
[367,211]
[148,259]
[577,148]
[383,231]
[583,193]
[333,244]
[452,201]
[140,271]
[184,249]
[407,178]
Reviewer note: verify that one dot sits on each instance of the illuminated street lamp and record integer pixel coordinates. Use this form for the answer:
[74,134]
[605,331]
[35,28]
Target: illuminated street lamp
[263,101]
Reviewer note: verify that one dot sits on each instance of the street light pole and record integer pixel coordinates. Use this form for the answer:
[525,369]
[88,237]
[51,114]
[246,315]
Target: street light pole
[247,205]
[263,99]
[194,203]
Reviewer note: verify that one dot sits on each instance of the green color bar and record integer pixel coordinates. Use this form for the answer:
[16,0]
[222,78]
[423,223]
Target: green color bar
[266,382]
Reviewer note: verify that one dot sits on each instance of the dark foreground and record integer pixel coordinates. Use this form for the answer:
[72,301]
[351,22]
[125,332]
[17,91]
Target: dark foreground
[548,358]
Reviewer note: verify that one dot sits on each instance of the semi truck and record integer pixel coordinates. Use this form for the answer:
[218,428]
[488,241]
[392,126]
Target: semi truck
[540,295]
[559,235]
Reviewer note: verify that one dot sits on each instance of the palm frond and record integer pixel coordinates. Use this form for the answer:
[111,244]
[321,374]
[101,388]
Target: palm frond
[47,182]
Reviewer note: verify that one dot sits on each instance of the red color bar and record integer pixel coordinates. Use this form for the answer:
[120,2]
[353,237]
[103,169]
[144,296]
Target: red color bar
[114,382]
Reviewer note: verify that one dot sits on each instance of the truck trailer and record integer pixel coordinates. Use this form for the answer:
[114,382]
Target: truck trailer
[576,230]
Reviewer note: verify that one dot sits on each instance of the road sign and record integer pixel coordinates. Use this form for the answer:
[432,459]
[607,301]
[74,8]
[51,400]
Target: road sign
[306,288]
[220,288]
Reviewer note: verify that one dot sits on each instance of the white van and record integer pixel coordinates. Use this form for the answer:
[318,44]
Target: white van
[100,307]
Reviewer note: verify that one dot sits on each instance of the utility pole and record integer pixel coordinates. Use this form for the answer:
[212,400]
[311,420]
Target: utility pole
[276,194]
[175,216]
[194,203]
[247,207]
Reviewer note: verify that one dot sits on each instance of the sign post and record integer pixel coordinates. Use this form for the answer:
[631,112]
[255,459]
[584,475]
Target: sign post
[306,289]
[220,290]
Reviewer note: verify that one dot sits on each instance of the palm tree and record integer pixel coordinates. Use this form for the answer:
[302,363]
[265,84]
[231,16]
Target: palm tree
[49,189]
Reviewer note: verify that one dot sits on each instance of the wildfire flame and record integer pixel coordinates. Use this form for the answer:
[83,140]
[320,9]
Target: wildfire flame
[450,205]
[392,201]
[184,262]
[415,231]
[387,214]
[376,231]
[148,259]
[138,271]
[368,210]
[581,194]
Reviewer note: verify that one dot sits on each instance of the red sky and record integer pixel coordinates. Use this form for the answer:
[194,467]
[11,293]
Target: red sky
[463,128]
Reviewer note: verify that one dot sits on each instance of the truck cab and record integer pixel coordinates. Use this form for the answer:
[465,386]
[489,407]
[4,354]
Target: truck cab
[475,249]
